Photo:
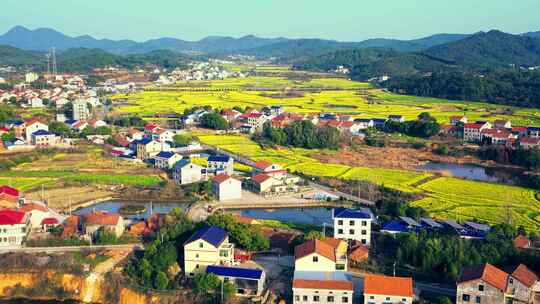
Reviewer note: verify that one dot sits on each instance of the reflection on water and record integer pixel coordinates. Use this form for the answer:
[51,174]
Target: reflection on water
[114,206]
[469,172]
[313,216]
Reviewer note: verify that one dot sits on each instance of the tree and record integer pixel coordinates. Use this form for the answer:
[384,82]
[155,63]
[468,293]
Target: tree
[103,130]
[214,121]
[9,136]
[161,282]
[59,128]
[88,130]
[314,235]
[182,140]
[205,282]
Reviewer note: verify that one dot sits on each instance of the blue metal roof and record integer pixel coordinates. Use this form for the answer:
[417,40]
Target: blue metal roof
[182,163]
[213,235]
[349,213]
[244,273]
[219,158]
[379,120]
[41,132]
[363,120]
[165,154]
[535,129]
[394,226]
[144,141]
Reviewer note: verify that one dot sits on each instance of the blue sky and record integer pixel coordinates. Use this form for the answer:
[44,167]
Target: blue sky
[347,20]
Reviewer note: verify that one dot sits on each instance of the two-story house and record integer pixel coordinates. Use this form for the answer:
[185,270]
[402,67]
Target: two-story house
[472,132]
[33,126]
[14,227]
[186,172]
[207,246]
[166,159]
[226,187]
[352,225]
[321,255]
[147,148]
[322,287]
[218,164]
[109,222]
[481,284]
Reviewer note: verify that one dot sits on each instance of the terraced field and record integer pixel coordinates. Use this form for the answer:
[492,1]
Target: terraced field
[446,197]
[368,103]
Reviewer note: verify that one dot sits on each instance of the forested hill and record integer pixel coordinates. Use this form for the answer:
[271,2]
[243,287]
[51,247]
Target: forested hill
[84,59]
[479,52]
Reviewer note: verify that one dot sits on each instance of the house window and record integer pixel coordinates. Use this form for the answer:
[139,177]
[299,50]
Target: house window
[404,300]
[345,300]
[340,231]
[480,287]
[223,253]
[197,255]
[315,259]
[340,267]
[197,266]
[340,222]
[372,297]
[330,299]
[364,223]
[304,298]
[297,298]
[511,281]
[351,231]
[351,223]
[364,232]
[201,245]
[478,299]
[387,298]
[466,298]
[315,298]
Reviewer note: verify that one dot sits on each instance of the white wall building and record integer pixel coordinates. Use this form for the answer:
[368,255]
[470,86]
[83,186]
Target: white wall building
[226,188]
[352,225]
[14,227]
[185,172]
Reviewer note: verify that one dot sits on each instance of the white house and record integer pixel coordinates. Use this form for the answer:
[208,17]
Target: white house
[207,246]
[472,132]
[226,188]
[218,164]
[37,213]
[322,287]
[147,148]
[33,126]
[352,225]
[329,255]
[14,227]
[185,172]
[35,102]
[42,138]
[110,222]
[164,135]
[166,159]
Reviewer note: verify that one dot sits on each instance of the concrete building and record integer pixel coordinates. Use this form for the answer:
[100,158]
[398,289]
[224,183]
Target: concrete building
[207,246]
[481,284]
[226,188]
[316,287]
[34,126]
[147,148]
[80,110]
[185,172]
[9,197]
[218,164]
[166,159]
[42,139]
[37,213]
[321,255]
[248,282]
[352,225]
[472,132]
[14,227]
[523,286]
[379,289]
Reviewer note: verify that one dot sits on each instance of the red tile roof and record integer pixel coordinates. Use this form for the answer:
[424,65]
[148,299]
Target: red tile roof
[473,126]
[220,178]
[262,165]
[11,217]
[360,253]
[525,275]
[261,178]
[33,206]
[102,218]
[388,286]
[486,272]
[522,242]
[315,246]
[323,284]
[332,242]
[9,191]
[49,221]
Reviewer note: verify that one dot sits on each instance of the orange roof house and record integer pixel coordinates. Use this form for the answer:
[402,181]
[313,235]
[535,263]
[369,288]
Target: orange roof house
[523,274]
[315,246]
[522,242]
[379,285]
[487,273]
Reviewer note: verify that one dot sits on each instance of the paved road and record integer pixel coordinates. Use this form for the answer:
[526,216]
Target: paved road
[341,194]
[71,248]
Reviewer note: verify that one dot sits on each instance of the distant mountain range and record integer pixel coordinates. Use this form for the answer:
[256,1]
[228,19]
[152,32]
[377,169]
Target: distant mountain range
[43,39]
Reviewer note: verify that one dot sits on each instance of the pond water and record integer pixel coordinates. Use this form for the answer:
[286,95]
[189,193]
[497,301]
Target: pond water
[472,172]
[114,206]
[312,216]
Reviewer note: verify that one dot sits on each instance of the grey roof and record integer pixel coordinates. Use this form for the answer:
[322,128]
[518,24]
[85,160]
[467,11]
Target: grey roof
[409,221]
[430,222]
[477,226]
[453,224]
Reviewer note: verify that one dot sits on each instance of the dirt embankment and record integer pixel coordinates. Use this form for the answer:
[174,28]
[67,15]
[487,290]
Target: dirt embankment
[388,157]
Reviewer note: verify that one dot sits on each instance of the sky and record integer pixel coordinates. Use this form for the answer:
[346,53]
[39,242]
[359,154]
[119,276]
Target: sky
[344,20]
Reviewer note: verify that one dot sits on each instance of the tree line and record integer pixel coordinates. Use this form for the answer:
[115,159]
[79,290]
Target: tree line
[303,134]
[507,87]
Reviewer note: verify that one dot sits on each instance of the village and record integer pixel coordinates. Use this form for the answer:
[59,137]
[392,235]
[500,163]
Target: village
[326,268]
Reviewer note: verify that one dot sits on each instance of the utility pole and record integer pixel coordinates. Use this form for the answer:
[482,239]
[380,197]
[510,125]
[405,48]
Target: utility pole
[54,68]
[394,268]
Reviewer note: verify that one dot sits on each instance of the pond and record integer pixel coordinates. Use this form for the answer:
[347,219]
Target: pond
[312,216]
[114,207]
[472,172]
